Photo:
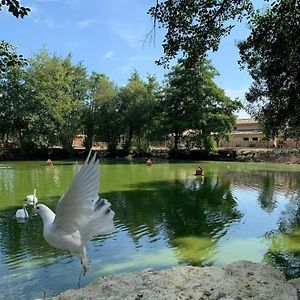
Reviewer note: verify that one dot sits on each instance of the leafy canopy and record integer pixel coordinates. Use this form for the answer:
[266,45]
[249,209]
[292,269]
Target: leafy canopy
[195,26]
[15,8]
[193,101]
[272,54]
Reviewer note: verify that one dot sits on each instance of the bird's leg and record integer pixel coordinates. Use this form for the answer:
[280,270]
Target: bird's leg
[84,261]
[79,280]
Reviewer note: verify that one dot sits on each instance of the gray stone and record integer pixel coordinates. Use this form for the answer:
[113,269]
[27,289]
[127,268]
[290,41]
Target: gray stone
[238,280]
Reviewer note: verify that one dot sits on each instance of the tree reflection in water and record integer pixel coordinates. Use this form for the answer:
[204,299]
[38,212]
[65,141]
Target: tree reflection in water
[284,250]
[181,211]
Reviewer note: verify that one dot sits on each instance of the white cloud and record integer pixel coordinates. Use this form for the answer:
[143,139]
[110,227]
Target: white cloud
[86,23]
[130,35]
[108,55]
[45,21]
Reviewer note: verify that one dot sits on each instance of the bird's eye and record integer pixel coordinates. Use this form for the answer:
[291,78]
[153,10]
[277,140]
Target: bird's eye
[37,207]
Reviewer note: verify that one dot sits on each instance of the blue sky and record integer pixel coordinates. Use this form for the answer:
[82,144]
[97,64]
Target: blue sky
[110,37]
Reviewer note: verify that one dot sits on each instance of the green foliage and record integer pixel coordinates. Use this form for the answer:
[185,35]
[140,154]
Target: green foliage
[15,110]
[192,101]
[50,100]
[272,54]
[58,90]
[196,26]
[9,57]
[138,105]
[15,8]
[102,117]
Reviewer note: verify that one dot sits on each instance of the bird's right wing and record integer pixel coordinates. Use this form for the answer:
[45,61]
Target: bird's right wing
[76,206]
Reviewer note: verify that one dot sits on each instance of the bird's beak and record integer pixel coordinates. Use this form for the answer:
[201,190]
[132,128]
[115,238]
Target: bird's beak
[34,211]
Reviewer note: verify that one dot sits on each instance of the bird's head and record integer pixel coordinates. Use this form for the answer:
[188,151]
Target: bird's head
[40,209]
[45,212]
[37,209]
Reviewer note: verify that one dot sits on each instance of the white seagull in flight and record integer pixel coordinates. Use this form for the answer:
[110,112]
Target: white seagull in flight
[80,214]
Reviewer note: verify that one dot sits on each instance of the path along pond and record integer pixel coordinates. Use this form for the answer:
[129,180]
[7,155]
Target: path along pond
[165,216]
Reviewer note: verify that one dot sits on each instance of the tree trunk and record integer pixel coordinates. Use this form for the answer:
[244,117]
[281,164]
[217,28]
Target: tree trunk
[176,140]
[128,142]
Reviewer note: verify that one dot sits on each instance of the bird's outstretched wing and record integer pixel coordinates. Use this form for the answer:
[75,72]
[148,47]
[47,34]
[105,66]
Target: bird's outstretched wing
[76,206]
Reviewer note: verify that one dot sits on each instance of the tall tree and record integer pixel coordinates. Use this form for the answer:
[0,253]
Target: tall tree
[192,101]
[272,54]
[102,119]
[195,26]
[59,89]
[15,109]
[138,100]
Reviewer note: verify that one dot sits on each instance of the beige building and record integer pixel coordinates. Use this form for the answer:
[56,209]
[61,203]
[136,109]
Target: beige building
[247,133]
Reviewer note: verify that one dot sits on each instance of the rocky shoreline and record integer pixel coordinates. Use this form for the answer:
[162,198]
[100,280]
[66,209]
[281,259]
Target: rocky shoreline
[272,155]
[235,281]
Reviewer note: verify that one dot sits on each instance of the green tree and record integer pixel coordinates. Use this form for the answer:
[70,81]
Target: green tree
[272,54]
[192,101]
[15,110]
[195,26]
[102,117]
[58,88]
[138,103]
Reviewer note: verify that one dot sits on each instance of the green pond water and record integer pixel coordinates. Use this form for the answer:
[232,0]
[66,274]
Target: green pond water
[165,216]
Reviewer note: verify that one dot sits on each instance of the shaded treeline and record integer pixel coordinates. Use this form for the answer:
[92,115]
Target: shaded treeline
[48,99]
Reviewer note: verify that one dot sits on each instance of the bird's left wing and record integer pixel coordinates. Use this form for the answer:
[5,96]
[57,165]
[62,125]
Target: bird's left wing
[76,206]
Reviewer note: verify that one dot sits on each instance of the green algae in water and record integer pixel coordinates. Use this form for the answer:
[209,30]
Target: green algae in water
[286,242]
[194,250]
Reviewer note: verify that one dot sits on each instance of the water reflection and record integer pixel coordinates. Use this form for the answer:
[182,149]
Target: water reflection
[164,216]
[176,209]
[195,250]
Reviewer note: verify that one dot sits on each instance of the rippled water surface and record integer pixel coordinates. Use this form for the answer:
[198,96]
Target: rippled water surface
[165,216]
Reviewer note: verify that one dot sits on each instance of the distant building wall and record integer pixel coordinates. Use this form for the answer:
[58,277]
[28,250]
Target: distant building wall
[247,133]
[78,140]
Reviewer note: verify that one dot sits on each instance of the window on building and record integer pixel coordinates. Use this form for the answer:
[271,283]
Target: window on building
[255,139]
[245,139]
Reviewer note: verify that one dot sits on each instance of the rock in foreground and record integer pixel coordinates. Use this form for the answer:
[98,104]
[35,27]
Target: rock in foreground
[236,281]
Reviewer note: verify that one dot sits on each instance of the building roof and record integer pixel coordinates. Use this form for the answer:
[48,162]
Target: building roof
[246,121]
[253,132]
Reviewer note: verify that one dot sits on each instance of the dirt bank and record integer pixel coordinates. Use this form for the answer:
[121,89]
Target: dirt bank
[236,281]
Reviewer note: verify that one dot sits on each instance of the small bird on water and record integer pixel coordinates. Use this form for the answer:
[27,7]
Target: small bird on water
[32,199]
[80,214]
